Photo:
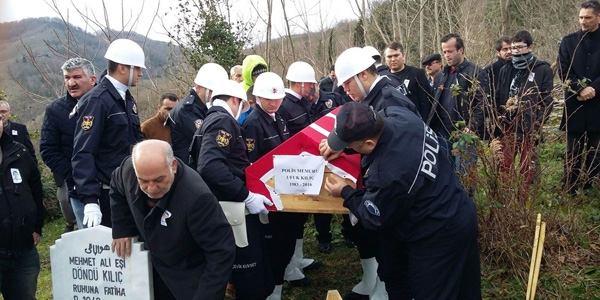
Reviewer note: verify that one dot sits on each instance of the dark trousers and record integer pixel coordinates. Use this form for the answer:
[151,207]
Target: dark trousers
[365,240]
[322,224]
[18,275]
[282,242]
[444,265]
[105,208]
[579,145]
[252,276]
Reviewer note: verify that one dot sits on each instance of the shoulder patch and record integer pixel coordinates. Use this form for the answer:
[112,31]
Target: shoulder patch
[250,144]
[87,122]
[329,103]
[223,138]
[372,208]
[198,123]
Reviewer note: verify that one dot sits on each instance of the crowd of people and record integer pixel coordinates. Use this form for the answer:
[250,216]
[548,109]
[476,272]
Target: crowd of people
[177,180]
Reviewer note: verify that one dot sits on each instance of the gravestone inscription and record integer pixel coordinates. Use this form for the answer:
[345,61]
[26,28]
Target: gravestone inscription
[85,268]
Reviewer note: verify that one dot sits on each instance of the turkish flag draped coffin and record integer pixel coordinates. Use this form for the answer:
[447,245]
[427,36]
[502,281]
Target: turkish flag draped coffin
[260,175]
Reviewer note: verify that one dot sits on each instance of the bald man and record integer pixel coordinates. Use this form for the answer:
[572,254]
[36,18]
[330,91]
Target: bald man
[157,197]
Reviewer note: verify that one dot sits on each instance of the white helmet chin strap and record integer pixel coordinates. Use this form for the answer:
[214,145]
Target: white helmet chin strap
[360,86]
[206,96]
[239,112]
[130,81]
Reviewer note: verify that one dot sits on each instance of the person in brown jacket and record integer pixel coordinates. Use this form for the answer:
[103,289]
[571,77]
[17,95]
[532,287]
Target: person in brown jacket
[155,128]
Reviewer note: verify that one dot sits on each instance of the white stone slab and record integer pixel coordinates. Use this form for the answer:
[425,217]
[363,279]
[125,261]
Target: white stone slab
[84,268]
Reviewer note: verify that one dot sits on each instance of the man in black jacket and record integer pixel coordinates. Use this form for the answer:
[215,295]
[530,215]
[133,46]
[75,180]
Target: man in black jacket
[413,82]
[56,141]
[454,101]
[489,74]
[523,104]
[21,220]
[424,222]
[165,202]
[16,130]
[579,57]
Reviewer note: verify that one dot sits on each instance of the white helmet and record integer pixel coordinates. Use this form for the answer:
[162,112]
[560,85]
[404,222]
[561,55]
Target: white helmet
[301,72]
[210,75]
[269,85]
[351,62]
[372,51]
[234,89]
[126,52]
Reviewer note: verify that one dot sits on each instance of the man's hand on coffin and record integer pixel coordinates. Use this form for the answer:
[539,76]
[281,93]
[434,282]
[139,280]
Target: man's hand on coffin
[256,203]
[326,152]
[334,186]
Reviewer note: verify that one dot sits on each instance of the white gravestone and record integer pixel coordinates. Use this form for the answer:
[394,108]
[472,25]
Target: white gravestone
[85,268]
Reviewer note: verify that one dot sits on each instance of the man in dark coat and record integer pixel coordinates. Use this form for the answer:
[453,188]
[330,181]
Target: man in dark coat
[56,140]
[413,82]
[579,58]
[326,84]
[454,101]
[21,220]
[488,77]
[17,131]
[424,221]
[523,104]
[165,202]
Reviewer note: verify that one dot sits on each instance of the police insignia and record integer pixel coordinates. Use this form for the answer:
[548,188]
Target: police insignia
[250,144]
[329,103]
[134,108]
[87,123]
[223,138]
[198,123]
[372,208]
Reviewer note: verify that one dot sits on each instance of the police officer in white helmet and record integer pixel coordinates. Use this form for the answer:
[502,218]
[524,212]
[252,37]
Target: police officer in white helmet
[108,126]
[220,156]
[187,116]
[265,129]
[295,111]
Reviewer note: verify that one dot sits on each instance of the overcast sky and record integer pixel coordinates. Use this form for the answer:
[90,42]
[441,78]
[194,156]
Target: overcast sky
[304,15]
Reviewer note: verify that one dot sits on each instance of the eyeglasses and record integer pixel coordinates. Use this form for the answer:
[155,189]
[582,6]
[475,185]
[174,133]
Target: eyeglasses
[518,47]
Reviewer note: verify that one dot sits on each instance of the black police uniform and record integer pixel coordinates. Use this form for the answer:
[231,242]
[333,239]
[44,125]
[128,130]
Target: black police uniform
[56,140]
[219,151]
[384,71]
[383,95]
[107,127]
[326,102]
[262,134]
[185,118]
[416,87]
[295,111]
[426,223]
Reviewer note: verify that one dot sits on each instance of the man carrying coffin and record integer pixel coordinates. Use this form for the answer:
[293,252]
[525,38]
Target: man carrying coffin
[425,222]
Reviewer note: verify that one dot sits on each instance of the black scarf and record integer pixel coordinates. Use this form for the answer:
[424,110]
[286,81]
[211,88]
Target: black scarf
[521,62]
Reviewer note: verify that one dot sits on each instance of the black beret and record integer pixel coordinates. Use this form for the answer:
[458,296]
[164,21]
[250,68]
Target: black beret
[431,58]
